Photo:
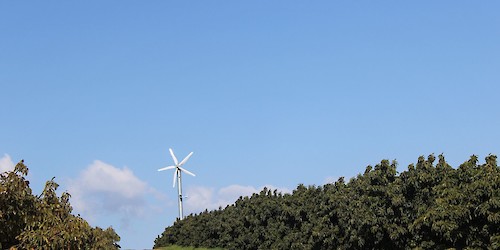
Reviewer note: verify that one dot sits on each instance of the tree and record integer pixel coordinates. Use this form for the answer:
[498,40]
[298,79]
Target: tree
[17,204]
[45,221]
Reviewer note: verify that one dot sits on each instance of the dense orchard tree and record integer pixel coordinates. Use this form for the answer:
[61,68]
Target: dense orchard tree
[17,205]
[429,206]
[45,221]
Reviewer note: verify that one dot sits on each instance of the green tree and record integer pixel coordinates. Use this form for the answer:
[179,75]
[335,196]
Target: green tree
[17,204]
[45,221]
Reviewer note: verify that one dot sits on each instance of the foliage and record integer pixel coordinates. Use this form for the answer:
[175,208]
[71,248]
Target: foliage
[174,247]
[45,221]
[17,204]
[429,206]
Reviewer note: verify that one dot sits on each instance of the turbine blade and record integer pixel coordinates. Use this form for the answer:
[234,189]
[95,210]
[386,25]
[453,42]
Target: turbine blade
[175,177]
[166,168]
[185,159]
[187,172]
[173,156]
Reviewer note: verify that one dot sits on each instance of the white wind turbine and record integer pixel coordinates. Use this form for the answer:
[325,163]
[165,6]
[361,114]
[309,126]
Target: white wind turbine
[177,175]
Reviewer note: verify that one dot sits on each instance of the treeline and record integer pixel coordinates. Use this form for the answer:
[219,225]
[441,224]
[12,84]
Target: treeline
[45,221]
[429,206]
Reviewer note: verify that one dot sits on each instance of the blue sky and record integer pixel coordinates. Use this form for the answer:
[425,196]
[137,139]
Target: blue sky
[272,93]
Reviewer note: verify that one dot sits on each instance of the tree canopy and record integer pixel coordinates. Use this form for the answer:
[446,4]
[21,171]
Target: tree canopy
[431,205]
[45,221]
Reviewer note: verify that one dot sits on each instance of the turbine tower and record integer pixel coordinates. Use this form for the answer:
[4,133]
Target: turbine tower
[177,175]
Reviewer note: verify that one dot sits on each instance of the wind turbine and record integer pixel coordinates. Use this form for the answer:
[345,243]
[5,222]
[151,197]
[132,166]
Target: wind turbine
[177,175]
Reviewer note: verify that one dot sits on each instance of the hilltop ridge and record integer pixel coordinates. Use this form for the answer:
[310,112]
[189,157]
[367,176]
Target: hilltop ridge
[428,206]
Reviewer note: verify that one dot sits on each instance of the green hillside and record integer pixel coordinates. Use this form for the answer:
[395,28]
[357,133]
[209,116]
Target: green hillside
[184,248]
[431,205]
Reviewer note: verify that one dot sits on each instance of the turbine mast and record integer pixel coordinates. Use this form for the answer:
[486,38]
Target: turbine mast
[179,188]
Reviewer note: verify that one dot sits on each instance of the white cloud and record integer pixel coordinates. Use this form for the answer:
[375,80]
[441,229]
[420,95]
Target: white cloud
[201,198]
[105,189]
[6,163]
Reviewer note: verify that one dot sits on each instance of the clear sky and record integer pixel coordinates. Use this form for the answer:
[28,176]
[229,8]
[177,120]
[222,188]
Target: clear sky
[272,93]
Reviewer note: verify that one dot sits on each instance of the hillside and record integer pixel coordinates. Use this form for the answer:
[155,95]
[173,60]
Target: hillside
[184,248]
[428,206]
